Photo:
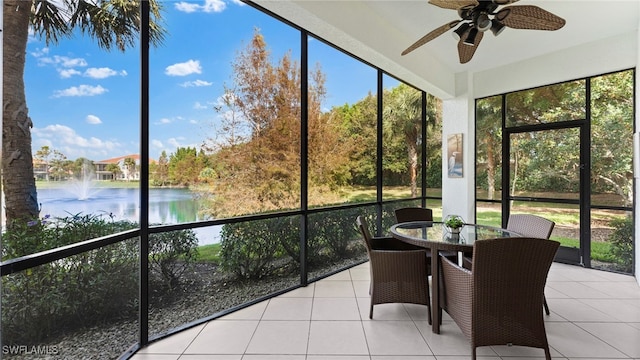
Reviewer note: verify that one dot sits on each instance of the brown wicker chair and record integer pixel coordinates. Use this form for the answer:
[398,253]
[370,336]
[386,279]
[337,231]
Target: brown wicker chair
[530,225]
[408,214]
[498,301]
[398,271]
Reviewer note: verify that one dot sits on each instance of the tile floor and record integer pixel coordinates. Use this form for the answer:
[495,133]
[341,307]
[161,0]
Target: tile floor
[595,315]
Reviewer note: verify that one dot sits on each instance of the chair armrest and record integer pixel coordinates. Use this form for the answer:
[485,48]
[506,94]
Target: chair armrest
[390,243]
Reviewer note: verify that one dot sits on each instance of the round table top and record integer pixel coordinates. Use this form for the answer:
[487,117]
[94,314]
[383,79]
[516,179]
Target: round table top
[434,234]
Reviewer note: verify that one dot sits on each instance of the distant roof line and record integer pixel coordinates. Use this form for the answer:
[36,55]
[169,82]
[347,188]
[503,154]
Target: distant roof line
[116,160]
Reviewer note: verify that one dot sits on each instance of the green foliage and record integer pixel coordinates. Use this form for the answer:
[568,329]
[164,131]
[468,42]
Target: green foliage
[249,249]
[266,247]
[171,254]
[622,243]
[94,287]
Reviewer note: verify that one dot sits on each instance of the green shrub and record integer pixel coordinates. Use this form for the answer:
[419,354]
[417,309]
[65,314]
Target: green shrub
[171,254]
[249,249]
[622,243]
[83,290]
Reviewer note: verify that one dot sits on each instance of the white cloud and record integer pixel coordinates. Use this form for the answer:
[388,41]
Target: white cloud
[63,61]
[196,83]
[92,119]
[165,121]
[63,137]
[156,144]
[210,6]
[183,69]
[101,73]
[40,52]
[194,122]
[82,90]
[199,106]
[67,73]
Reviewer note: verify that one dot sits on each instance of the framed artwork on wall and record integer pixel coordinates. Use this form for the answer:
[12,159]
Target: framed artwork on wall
[454,155]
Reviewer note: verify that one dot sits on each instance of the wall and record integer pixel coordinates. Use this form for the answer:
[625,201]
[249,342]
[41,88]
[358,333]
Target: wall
[607,55]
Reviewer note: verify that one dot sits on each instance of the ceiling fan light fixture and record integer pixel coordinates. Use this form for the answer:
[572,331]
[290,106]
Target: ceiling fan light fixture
[483,23]
[459,32]
[496,27]
[471,37]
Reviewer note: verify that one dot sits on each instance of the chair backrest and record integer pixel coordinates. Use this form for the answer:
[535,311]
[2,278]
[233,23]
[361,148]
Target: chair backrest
[530,225]
[509,279]
[363,226]
[413,214]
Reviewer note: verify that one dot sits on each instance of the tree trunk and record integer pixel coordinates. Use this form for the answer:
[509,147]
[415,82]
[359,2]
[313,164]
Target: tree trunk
[491,170]
[18,182]
[413,165]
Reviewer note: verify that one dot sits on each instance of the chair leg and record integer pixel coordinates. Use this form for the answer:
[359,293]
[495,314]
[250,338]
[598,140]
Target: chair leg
[546,307]
[371,310]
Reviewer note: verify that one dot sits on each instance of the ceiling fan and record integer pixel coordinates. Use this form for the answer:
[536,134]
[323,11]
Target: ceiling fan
[478,16]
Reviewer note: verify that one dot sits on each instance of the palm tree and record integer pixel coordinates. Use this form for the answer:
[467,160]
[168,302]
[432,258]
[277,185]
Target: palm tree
[403,113]
[112,23]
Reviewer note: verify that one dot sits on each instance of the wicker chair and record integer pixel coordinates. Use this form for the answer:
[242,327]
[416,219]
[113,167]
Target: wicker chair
[498,302]
[413,214]
[398,271]
[532,226]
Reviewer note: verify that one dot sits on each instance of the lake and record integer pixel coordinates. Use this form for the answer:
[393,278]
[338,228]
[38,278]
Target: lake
[166,206]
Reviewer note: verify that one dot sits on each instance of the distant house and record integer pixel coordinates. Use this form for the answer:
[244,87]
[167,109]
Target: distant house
[125,173]
[40,169]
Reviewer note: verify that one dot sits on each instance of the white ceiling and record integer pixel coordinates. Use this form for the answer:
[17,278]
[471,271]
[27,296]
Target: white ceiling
[379,30]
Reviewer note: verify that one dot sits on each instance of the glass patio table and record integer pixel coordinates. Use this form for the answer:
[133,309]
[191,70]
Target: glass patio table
[435,236]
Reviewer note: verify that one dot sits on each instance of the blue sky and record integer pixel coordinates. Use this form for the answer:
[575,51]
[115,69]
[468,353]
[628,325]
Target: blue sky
[84,101]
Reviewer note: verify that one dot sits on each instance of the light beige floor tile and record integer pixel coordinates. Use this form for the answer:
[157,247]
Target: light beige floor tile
[623,310]
[210,357]
[253,312]
[394,311]
[288,309]
[550,291]
[140,356]
[174,344]
[572,341]
[384,357]
[621,336]
[576,310]
[361,288]
[334,288]
[343,276]
[280,337]
[306,291]
[335,309]
[223,337]
[273,357]
[617,289]
[417,312]
[339,357]
[360,273]
[395,338]
[635,325]
[337,338]
[450,341]
[577,290]
[523,351]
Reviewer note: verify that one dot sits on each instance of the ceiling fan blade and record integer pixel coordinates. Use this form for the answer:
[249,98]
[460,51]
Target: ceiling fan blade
[504,2]
[529,17]
[453,4]
[465,52]
[432,35]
